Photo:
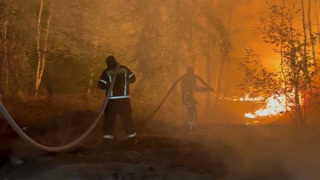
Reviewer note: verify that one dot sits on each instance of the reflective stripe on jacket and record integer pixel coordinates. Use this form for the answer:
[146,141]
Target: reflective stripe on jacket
[121,87]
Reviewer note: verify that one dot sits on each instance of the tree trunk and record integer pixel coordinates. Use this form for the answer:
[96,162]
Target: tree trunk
[316,10]
[42,54]
[282,62]
[220,77]
[296,87]
[194,60]
[225,56]
[305,59]
[298,112]
[208,81]
[39,48]
[311,35]
[46,43]
[5,65]
[95,43]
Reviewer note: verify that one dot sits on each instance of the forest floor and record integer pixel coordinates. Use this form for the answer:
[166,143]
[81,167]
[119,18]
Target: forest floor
[165,151]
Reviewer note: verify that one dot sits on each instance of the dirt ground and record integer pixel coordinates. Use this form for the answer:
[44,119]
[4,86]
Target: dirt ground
[164,150]
[209,152]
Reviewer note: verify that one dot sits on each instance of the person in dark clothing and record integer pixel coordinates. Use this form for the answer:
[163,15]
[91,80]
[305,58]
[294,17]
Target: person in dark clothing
[189,87]
[119,102]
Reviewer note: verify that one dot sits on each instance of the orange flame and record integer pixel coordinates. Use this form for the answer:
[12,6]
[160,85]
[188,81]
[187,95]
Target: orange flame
[276,104]
[245,98]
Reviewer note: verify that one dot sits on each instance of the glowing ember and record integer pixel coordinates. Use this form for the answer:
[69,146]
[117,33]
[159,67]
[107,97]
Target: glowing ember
[253,99]
[276,104]
[245,98]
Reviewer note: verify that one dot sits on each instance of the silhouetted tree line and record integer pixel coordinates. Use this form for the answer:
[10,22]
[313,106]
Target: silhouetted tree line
[59,47]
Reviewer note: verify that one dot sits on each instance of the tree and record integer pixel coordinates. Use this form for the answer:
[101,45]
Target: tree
[292,44]
[312,35]
[42,52]
[5,68]
[4,48]
[305,39]
[257,80]
[15,42]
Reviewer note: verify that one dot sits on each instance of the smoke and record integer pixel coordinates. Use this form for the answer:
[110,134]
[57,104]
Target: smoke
[262,152]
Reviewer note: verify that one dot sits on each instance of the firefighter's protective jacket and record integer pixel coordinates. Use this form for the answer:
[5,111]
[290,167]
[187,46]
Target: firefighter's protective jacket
[121,87]
[189,86]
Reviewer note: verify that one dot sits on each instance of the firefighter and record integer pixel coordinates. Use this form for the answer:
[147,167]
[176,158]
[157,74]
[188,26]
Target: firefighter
[119,102]
[189,87]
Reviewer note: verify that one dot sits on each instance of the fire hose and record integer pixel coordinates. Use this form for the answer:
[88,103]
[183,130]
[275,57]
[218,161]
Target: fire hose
[169,92]
[165,98]
[71,144]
